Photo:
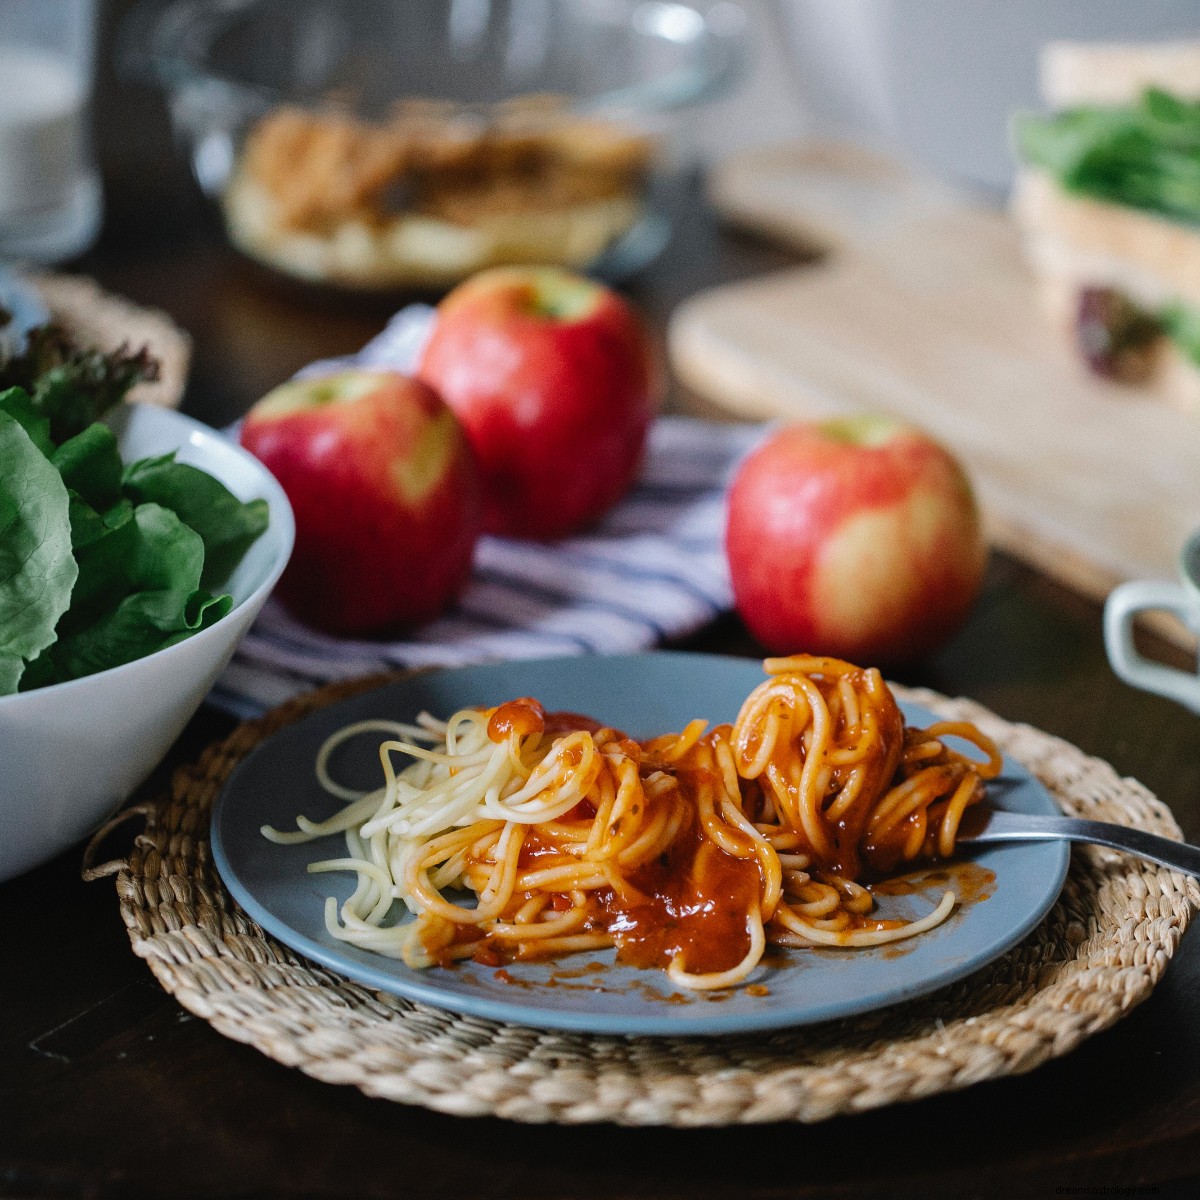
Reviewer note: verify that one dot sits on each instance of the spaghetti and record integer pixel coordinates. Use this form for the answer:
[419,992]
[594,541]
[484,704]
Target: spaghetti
[690,851]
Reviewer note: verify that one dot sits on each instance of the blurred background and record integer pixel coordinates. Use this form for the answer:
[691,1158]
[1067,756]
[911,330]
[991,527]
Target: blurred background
[280,176]
[936,79]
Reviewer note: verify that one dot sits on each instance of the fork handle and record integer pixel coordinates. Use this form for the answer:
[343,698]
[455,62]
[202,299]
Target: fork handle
[1018,827]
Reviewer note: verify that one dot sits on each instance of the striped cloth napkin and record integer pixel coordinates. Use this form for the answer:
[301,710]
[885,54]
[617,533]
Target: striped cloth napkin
[653,570]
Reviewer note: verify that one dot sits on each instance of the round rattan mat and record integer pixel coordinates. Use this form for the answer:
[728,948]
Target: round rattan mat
[1098,954]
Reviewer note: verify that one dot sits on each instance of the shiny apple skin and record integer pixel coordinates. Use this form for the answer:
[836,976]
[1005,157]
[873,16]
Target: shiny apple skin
[386,496]
[858,538]
[556,407]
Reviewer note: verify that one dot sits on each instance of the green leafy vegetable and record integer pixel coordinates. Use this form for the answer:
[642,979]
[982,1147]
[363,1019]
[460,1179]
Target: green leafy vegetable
[100,564]
[71,385]
[1181,323]
[37,568]
[139,591]
[87,525]
[1145,155]
[227,526]
[17,403]
[90,465]
[104,573]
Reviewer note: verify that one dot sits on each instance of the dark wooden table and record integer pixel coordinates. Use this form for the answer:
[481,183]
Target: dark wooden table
[109,1088]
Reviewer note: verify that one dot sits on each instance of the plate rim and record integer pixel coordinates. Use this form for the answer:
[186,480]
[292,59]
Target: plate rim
[673,1022]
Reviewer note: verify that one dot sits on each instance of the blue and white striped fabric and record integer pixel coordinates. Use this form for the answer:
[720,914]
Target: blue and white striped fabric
[653,570]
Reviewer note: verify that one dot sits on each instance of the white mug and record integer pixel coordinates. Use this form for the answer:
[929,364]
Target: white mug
[1152,595]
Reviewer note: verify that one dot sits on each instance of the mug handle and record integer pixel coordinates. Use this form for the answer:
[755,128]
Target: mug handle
[1120,610]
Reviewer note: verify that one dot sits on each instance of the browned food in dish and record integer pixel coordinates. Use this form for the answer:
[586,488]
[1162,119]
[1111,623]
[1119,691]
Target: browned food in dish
[435,191]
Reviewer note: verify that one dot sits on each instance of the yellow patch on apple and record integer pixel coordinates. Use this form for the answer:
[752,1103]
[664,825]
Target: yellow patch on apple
[416,475]
[865,581]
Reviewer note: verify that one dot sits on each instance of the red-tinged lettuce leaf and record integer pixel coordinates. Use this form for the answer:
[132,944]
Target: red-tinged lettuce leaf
[138,592]
[73,385]
[227,526]
[37,568]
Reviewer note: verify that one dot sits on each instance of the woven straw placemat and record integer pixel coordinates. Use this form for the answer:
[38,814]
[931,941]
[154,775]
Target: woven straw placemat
[1098,954]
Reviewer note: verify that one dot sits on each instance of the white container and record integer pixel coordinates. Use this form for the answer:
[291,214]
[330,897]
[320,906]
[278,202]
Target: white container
[70,754]
[49,188]
[937,80]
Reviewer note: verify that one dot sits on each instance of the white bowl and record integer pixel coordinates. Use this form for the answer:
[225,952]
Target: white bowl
[70,754]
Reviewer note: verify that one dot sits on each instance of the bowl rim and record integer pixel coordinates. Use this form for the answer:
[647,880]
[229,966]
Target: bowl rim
[194,433]
[168,44]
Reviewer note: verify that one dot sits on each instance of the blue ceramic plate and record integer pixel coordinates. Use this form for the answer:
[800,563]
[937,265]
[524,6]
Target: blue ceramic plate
[1006,890]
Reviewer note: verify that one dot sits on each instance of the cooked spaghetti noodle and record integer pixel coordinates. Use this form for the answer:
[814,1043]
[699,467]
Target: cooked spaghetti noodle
[690,851]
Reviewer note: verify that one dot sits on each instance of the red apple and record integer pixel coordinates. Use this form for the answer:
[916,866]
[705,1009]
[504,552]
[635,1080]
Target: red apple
[386,496]
[555,382]
[858,538]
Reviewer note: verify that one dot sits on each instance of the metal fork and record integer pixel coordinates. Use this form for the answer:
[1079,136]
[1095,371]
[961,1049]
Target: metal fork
[994,825]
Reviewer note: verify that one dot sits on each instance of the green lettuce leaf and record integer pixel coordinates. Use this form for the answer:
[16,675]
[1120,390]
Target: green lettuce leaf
[88,525]
[99,565]
[18,404]
[37,568]
[73,385]
[90,464]
[138,592]
[1181,323]
[227,526]
[1145,155]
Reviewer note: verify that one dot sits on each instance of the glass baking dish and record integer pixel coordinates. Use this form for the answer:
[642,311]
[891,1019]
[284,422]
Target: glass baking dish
[381,145]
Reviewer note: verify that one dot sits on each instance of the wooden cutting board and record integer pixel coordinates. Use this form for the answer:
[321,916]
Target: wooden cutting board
[923,307]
